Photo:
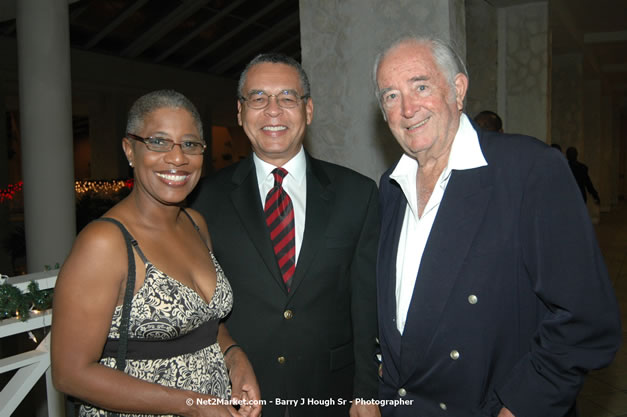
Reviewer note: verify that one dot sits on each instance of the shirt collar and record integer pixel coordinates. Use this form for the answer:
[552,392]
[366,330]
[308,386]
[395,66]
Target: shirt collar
[465,154]
[296,167]
[466,151]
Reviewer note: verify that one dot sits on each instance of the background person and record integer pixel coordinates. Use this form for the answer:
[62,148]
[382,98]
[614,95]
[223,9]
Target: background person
[482,309]
[176,342]
[297,237]
[488,120]
[580,172]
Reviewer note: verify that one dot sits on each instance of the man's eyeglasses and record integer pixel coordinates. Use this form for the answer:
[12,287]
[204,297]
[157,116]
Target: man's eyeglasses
[157,144]
[286,99]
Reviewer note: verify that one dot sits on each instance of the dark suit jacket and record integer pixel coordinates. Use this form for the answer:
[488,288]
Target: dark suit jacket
[328,342]
[511,279]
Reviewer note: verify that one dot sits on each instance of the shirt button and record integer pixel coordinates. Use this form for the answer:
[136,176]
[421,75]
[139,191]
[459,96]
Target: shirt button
[281,360]
[443,406]
[454,354]
[472,299]
[402,392]
[288,314]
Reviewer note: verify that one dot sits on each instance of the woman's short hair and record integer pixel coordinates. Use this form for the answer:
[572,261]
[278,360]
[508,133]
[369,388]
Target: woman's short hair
[156,100]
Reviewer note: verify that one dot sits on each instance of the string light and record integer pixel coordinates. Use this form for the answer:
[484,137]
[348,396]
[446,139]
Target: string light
[101,187]
[81,187]
[9,192]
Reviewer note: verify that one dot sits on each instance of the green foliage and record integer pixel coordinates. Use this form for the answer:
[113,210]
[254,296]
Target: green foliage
[15,303]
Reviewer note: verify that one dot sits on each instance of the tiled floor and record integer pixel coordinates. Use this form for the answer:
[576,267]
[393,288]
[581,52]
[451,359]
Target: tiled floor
[605,391]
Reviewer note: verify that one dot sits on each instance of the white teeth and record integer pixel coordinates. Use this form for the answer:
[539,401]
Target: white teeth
[171,177]
[274,128]
[418,124]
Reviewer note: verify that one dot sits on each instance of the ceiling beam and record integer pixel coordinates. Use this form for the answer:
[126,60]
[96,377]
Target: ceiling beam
[74,14]
[198,30]
[245,50]
[285,43]
[232,33]
[114,23]
[161,28]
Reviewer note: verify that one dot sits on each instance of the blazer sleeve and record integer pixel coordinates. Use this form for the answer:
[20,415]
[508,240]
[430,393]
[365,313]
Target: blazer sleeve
[363,301]
[561,257]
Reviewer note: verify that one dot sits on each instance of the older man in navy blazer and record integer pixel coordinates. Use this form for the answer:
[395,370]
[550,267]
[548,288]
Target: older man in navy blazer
[493,296]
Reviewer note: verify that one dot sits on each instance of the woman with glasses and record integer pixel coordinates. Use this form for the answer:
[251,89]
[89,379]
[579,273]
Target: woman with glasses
[139,300]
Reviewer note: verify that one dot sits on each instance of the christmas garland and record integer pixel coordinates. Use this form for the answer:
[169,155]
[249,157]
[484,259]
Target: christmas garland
[14,303]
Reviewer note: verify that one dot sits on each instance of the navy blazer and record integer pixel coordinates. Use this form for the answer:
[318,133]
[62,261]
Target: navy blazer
[512,303]
[316,341]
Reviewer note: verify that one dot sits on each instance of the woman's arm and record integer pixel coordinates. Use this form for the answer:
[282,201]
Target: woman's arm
[89,287]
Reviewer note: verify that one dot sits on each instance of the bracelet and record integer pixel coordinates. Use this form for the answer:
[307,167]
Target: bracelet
[234,345]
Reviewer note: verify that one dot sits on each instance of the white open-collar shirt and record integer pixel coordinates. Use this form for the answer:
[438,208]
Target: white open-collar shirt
[465,154]
[294,184]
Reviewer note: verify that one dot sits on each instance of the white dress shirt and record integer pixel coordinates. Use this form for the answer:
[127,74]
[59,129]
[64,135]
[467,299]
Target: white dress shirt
[294,184]
[465,154]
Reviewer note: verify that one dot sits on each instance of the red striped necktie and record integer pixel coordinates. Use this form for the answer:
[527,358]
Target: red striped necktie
[280,220]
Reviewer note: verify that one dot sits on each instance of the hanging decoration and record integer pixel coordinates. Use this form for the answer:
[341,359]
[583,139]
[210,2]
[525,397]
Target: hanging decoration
[15,303]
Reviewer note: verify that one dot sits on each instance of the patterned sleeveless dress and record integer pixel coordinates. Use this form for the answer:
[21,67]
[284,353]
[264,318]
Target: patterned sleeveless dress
[164,309]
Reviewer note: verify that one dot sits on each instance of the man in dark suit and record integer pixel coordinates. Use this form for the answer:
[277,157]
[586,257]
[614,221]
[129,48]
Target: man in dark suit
[297,239]
[493,296]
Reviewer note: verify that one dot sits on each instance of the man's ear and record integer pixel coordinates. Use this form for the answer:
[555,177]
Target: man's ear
[309,108]
[461,87]
[239,112]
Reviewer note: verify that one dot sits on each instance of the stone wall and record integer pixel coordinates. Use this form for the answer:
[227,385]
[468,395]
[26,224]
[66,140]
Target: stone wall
[340,40]
[527,69]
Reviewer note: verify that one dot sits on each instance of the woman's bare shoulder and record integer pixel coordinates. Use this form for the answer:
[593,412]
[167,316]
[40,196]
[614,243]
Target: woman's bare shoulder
[100,248]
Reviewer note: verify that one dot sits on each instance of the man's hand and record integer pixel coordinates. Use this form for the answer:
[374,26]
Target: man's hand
[244,384]
[505,413]
[364,410]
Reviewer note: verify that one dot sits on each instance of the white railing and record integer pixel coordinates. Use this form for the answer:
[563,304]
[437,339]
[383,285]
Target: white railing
[35,363]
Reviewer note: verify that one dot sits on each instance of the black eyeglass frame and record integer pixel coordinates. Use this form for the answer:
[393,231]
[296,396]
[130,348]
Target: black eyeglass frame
[247,100]
[145,142]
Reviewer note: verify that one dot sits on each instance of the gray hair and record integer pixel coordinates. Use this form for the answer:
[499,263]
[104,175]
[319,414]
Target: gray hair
[275,58]
[444,55]
[156,100]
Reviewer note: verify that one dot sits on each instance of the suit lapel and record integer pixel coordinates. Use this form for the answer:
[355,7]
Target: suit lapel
[247,203]
[392,222]
[459,216]
[318,211]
